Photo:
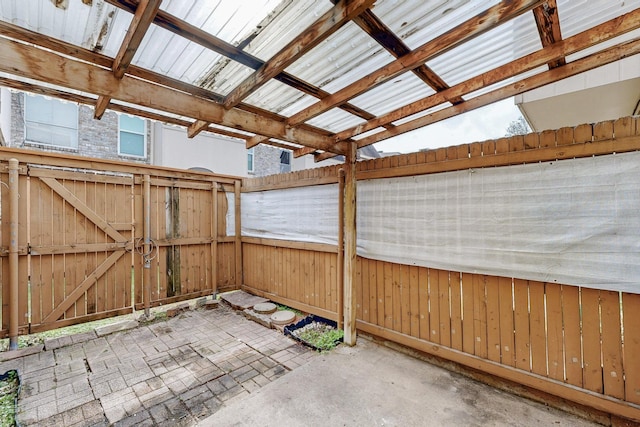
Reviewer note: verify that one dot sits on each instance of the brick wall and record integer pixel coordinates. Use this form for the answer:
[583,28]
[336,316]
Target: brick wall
[266,160]
[96,138]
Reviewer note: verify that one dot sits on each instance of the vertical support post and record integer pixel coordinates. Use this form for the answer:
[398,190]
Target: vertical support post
[214,238]
[238,233]
[146,268]
[340,263]
[13,253]
[350,245]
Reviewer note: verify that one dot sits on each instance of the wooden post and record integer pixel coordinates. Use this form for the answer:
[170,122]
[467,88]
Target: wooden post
[146,268]
[13,254]
[340,263]
[238,233]
[214,236]
[350,245]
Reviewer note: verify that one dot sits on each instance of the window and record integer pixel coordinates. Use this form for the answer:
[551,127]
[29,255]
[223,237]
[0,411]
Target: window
[51,122]
[132,136]
[250,160]
[285,161]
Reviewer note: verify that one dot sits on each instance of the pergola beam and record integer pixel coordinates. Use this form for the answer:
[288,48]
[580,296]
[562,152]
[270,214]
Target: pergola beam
[551,53]
[473,27]
[196,35]
[548,23]
[326,25]
[80,99]
[140,23]
[34,63]
[590,62]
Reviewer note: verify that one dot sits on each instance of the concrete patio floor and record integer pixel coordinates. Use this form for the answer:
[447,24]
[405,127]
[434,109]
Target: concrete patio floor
[216,368]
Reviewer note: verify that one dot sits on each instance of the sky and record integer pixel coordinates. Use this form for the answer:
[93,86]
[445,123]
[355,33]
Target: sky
[485,123]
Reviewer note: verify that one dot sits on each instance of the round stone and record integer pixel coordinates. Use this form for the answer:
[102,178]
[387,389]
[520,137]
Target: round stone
[283,317]
[265,308]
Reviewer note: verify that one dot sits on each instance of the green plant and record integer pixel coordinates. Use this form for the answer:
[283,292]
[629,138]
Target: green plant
[323,337]
[8,395]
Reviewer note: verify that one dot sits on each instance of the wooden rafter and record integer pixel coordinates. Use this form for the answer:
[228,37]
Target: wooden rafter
[140,23]
[326,25]
[473,27]
[548,24]
[192,33]
[32,62]
[551,53]
[373,26]
[590,62]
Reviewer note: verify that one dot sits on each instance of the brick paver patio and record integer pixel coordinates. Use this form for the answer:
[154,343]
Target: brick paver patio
[173,372]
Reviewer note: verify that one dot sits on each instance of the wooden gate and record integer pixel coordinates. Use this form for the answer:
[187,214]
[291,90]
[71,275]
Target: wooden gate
[80,236]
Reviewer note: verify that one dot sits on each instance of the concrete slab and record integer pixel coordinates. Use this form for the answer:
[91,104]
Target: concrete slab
[370,385]
[241,300]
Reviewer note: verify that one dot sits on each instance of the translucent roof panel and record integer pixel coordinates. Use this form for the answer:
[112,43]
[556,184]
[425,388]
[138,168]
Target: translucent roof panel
[335,120]
[79,24]
[577,16]
[393,94]
[417,22]
[601,46]
[422,114]
[282,25]
[510,41]
[346,56]
[229,20]
[277,97]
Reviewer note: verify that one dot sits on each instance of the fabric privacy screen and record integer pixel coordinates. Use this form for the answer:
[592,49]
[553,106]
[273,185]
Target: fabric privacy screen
[574,222]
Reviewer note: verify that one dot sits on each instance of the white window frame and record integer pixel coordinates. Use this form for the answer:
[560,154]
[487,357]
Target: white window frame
[144,136]
[251,153]
[73,147]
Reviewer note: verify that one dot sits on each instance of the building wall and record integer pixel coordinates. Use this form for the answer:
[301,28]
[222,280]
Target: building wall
[96,138]
[219,154]
[266,160]
[5,113]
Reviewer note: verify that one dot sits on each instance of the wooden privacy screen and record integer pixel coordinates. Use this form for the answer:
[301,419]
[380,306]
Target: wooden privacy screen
[81,237]
[580,344]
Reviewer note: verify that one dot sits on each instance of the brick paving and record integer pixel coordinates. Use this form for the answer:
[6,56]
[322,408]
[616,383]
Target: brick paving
[173,372]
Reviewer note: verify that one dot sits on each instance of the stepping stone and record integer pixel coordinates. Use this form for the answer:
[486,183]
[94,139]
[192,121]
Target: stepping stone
[262,319]
[283,317]
[241,300]
[265,308]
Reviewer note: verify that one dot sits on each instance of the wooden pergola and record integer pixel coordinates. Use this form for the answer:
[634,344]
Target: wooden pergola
[35,62]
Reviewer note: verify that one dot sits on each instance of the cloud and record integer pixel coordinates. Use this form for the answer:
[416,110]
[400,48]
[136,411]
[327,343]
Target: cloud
[485,123]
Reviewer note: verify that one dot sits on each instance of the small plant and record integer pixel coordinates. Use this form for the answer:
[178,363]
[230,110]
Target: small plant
[320,335]
[8,394]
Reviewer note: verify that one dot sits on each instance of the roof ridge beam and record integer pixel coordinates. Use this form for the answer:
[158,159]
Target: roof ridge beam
[479,24]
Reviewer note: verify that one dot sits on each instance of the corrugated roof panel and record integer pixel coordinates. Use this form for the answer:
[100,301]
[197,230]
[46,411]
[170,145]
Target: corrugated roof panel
[229,20]
[422,113]
[279,98]
[78,24]
[577,16]
[417,22]
[492,49]
[393,94]
[348,55]
[368,133]
[335,120]
[286,22]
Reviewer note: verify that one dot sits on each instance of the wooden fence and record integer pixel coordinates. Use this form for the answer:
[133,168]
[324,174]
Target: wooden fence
[80,238]
[579,344]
